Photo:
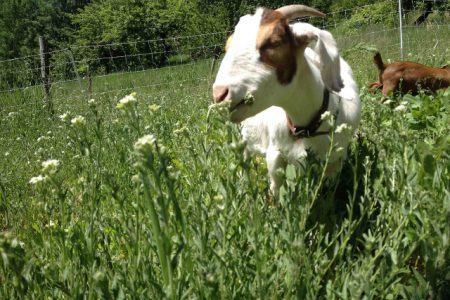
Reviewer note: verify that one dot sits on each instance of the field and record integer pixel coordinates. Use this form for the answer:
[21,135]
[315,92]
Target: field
[184,215]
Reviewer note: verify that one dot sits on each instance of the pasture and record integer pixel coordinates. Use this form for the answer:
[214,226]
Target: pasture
[186,216]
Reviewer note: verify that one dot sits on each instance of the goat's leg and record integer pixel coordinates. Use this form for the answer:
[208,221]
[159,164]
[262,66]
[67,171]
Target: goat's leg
[275,161]
[388,87]
[375,86]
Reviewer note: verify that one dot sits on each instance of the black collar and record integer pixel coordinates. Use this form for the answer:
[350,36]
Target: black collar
[310,130]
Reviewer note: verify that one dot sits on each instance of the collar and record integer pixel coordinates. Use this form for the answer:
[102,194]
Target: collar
[310,130]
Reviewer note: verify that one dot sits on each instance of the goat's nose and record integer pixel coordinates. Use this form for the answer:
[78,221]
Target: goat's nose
[220,92]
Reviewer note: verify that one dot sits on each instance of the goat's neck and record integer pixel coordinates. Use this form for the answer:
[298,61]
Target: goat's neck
[306,94]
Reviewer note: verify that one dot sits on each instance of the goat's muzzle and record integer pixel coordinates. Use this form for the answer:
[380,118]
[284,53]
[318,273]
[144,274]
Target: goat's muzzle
[220,92]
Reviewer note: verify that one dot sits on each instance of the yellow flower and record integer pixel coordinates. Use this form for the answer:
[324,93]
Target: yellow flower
[154,107]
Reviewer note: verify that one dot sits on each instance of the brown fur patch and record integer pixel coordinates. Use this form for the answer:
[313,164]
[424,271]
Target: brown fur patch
[407,77]
[277,45]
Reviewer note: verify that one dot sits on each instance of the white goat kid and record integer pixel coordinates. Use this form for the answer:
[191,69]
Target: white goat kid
[291,85]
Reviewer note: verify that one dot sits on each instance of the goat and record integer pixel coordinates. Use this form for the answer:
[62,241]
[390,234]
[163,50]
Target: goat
[291,85]
[408,77]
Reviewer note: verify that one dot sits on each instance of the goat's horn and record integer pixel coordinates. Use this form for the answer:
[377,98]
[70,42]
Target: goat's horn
[298,10]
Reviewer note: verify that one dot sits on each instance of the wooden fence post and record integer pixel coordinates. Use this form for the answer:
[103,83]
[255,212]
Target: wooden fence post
[45,72]
[89,76]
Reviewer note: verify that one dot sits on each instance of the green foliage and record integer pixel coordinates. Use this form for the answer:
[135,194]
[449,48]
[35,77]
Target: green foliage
[382,12]
[21,23]
[183,214]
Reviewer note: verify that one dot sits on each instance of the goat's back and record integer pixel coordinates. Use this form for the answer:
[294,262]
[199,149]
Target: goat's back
[406,76]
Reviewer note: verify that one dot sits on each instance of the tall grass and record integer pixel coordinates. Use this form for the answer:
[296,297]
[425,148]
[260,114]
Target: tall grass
[182,214]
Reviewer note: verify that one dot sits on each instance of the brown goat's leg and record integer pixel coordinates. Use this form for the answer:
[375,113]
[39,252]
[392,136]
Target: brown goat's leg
[375,86]
[388,87]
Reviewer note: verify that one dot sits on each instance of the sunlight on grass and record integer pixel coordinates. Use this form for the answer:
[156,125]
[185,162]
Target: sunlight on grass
[132,192]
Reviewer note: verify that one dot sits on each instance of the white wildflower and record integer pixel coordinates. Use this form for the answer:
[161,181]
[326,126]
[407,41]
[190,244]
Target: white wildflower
[16,243]
[219,199]
[50,166]
[162,149]
[400,108]
[325,116]
[127,101]
[6,153]
[387,102]
[78,121]
[64,117]
[342,128]
[136,179]
[328,118]
[145,143]
[91,102]
[37,179]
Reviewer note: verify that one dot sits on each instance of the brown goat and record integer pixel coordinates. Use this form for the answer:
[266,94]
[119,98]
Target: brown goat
[409,77]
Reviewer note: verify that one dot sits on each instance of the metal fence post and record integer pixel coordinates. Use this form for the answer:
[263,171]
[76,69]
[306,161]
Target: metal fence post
[401,27]
[74,66]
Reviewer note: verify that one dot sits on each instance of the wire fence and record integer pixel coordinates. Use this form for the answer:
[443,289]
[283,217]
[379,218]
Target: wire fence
[87,71]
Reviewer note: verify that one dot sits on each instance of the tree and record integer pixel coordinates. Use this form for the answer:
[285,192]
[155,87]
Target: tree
[22,21]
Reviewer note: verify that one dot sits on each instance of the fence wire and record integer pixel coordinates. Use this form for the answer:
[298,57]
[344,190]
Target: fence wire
[87,71]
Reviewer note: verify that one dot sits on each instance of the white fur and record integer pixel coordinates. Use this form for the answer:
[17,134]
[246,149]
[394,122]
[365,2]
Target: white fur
[264,123]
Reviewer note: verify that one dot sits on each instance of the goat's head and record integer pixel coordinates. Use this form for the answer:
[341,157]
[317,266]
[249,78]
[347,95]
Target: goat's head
[261,59]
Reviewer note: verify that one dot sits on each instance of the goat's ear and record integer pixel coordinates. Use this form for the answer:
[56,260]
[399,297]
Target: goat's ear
[328,59]
[305,38]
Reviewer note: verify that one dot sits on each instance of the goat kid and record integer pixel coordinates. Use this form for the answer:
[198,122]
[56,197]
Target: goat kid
[292,87]
[408,77]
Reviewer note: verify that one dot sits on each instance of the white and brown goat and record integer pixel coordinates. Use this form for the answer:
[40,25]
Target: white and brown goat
[292,87]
